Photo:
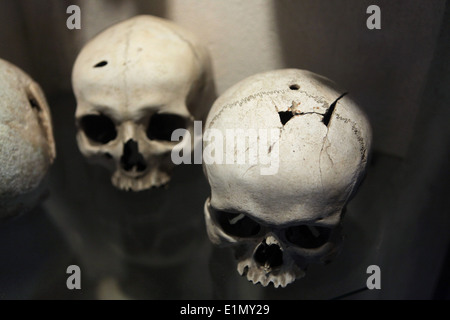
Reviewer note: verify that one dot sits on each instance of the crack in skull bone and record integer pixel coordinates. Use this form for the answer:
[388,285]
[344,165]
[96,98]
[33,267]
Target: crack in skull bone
[306,242]
[294,110]
[326,121]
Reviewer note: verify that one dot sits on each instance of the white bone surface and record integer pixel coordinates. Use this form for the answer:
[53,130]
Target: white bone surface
[129,72]
[320,165]
[27,147]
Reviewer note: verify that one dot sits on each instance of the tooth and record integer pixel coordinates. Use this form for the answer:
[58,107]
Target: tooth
[250,274]
[241,267]
[283,280]
[276,283]
[264,281]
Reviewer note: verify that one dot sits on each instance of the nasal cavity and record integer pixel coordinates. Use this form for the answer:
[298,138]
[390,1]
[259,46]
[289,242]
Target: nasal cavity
[269,255]
[131,157]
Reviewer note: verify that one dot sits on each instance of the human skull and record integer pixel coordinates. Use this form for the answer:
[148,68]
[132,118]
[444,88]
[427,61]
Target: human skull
[281,220]
[27,148]
[135,83]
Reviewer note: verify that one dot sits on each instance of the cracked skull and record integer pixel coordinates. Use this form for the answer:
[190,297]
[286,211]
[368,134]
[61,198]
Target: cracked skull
[135,83]
[279,221]
[27,148]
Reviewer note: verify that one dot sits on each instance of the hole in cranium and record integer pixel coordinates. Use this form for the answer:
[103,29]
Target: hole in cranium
[98,128]
[294,87]
[237,224]
[34,104]
[162,125]
[327,116]
[308,237]
[101,64]
[285,116]
[132,158]
[270,255]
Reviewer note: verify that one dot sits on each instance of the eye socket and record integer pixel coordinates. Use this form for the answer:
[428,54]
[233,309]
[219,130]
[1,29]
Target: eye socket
[98,128]
[308,237]
[162,125]
[237,224]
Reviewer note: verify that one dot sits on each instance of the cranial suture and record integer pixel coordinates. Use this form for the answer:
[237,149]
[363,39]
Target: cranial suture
[135,83]
[279,224]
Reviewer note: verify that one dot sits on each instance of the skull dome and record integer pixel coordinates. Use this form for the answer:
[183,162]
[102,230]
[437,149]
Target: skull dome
[317,141]
[135,83]
[27,147]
